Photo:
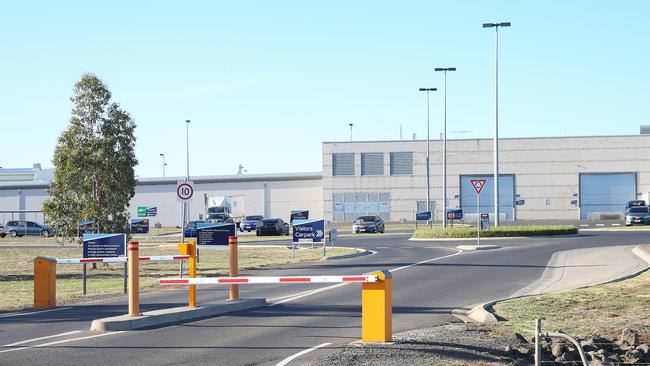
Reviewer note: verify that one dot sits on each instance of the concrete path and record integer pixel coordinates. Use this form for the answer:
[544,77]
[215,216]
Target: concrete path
[577,268]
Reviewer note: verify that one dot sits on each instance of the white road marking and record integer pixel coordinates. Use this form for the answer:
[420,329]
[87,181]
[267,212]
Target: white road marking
[308,293]
[59,342]
[584,225]
[600,224]
[293,357]
[382,248]
[616,224]
[32,312]
[426,261]
[41,338]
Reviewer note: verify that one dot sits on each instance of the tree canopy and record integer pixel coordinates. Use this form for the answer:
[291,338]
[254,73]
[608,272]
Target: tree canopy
[94,161]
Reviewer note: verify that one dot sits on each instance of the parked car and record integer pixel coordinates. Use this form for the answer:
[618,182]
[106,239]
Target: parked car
[219,218]
[190,229]
[251,223]
[3,233]
[20,228]
[273,227]
[368,224]
[635,203]
[637,215]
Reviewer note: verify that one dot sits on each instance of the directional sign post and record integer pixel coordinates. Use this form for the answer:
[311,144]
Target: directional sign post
[478,185]
[308,231]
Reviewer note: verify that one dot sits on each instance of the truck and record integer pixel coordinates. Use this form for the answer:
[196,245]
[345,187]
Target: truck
[219,209]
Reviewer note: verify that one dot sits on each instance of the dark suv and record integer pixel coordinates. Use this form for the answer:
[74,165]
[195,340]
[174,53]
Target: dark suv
[272,227]
[20,228]
[368,224]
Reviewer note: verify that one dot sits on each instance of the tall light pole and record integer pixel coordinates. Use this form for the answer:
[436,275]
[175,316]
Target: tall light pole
[428,151]
[496,117]
[164,164]
[350,124]
[187,144]
[444,151]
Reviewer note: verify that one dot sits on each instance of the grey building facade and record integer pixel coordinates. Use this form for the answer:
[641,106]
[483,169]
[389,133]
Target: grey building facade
[555,178]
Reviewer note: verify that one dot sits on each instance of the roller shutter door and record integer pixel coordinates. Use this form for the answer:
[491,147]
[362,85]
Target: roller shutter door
[602,194]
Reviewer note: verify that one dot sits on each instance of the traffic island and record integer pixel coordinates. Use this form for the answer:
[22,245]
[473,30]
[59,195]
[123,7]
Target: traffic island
[172,316]
[469,247]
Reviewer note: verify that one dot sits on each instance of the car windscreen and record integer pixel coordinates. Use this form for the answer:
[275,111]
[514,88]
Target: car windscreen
[639,209]
[366,219]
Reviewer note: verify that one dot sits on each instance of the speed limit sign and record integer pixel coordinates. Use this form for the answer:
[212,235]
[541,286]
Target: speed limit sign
[185,190]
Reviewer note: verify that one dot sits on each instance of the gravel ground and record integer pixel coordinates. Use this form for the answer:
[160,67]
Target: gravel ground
[451,344]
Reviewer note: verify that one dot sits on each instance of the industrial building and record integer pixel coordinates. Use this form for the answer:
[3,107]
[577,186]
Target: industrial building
[541,178]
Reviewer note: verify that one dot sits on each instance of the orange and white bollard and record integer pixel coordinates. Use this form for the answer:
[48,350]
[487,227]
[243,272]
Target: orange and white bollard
[190,249]
[133,258]
[44,283]
[234,267]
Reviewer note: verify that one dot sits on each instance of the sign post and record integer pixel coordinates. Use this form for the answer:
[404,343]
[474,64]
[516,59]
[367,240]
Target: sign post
[184,193]
[478,185]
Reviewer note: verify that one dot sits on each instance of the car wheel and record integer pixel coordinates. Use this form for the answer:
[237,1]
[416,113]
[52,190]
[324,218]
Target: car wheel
[2,235]
[45,233]
[13,233]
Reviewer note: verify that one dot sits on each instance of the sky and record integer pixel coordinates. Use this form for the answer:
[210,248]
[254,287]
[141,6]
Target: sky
[264,83]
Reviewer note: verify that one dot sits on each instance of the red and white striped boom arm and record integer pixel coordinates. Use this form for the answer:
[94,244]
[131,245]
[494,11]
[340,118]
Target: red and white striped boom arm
[123,259]
[260,280]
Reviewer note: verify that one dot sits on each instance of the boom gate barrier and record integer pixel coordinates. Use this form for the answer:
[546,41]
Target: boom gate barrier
[376,296]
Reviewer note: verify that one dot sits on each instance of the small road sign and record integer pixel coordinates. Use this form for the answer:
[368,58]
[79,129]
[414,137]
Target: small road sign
[312,231]
[478,185]
[185,190]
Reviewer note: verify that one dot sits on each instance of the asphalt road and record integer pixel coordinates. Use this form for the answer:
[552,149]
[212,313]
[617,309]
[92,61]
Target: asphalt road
[424,294]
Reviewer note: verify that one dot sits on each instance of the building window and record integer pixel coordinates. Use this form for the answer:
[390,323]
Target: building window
[372,164]
[401,163]
[343,164]
[350,205]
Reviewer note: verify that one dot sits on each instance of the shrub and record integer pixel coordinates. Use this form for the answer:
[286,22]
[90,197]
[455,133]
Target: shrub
[501,231]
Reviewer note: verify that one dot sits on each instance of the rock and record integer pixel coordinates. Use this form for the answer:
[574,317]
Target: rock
[522,351]
[643,348]
[522,339]
[508,351]
[633,356]
[558,349]
[629,337]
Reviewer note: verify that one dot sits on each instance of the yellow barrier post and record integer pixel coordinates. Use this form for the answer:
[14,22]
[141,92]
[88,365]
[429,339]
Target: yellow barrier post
[190,249]
[44,283]
[133,258]
[233,255]
[377,309]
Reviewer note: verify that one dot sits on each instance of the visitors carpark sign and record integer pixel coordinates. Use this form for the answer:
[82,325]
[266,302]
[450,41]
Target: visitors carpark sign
[309,231]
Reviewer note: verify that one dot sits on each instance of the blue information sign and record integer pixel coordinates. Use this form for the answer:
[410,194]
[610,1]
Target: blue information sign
[104,245]
[309,231]
[140,226]
[423,216]
[299,215]
[520,202]
[152,211]
[214,234]
[455,214]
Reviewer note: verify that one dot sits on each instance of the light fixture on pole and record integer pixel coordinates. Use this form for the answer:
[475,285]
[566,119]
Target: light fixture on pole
[444,151]
[350,124]
[186,213]
[164,164]
[428,152]
[496,118]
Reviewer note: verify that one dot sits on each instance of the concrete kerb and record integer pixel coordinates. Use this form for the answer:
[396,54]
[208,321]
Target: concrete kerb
[479,313]
[468,247]
[172,316]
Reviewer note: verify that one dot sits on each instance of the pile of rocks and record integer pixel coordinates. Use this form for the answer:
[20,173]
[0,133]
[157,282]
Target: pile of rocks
[599,351]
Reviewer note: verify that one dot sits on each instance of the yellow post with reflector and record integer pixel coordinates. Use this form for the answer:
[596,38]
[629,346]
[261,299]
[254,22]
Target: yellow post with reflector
[44,283]
[377,308]
[190,249]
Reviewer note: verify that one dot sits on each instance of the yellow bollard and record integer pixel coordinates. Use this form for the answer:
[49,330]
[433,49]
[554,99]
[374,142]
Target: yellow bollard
[133,257]
[44,283]
[377,308]
[233,256]
[190,249]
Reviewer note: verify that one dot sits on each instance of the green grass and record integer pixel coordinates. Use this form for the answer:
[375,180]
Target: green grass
[604,310]
[501,231]
[17,273]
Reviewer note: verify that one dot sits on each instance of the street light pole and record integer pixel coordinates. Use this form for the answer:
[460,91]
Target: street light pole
[428,153]
[164,164]
[496,118]
[186,210]
[444,151]
[350,124]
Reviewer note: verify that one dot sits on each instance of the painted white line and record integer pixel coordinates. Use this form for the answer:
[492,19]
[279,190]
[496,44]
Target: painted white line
[41,338]
[584,225]
[600,224]
[382,248]
[293,357]
[616,224]
[407,247]
[427,261]
[32,312]
[308,294]
[59,342]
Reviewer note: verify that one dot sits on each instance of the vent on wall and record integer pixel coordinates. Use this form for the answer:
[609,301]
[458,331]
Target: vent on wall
[645,129]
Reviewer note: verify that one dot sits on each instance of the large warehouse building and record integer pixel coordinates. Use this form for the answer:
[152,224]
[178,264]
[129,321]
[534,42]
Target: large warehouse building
[555,178]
